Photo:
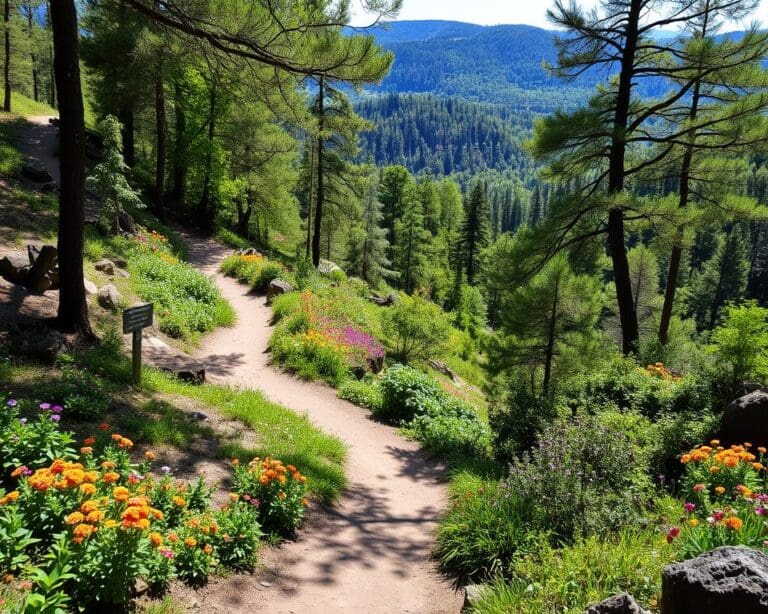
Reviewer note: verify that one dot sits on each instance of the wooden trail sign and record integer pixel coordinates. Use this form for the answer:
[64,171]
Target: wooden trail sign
[135,320]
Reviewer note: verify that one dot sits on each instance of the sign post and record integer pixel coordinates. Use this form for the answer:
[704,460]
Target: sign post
[135,320]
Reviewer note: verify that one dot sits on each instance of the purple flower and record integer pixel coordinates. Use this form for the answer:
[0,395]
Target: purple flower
[45,406]
[689,507]
[23,420]
[11,402]
[255,502]
[763,498]
[57,409]
[55,417]
[761,511]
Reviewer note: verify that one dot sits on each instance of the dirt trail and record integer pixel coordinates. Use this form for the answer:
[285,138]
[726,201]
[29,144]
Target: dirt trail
[371,552]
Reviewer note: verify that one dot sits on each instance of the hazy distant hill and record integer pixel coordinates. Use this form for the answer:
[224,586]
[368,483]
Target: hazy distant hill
[497,64]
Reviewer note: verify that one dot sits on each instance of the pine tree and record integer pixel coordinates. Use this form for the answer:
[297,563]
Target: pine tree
[537,206]
[554,310]
[475,232]
[367,255]
[412,239]
[723,278]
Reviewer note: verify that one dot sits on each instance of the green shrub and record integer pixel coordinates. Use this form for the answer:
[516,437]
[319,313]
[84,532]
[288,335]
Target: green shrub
[81,393]
[232,239]
[582,479]
[308,355]
[625,386]
[186,301]
[452,428]
[572,578]
[415,329]
[262,276]
[363,393]
[406,392]
[482,531]
[517,419]
[255,271]
[741,344]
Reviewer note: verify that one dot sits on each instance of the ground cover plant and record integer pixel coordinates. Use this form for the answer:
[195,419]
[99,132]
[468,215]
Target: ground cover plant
[81,522]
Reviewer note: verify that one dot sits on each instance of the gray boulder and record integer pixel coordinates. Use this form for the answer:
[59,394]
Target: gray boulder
[723,581]
[473,594]
[746,419]
[276,288]
[91,289]
[105,266]
[109,297]
[44,274]
[326,267]
[39,342]
[122,273]
[35,171]
[15,268]
[250,251]
[618,604]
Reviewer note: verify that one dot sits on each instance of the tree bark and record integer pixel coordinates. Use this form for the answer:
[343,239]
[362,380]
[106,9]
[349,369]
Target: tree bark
[551,338]
[128,129]
[616,171]
[7,59]
[179,162]
[320,178]
[161,134]
[73,307]
[310,195]
[33,55]
[673,274]
[206,217]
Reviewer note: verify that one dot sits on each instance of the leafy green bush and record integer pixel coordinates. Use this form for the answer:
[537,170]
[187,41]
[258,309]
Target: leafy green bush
[625,386]
[308,354]
[407,392]
[256,271]
[263,276]
[186,301]
[569,579]
[741,344]
[482,531]
[517,419]
[81,393]
[415,329]
[363,393]
[583,478]
[453,428]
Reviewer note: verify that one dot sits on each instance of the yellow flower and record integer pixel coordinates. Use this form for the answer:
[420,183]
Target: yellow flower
[714,469]
[694,522]
[110,524]
[121,493]
[74,518]
[720,490]
[190,542]
[149,455]
[179,501]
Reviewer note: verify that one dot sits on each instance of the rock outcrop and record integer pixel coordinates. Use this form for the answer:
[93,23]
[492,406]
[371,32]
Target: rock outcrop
[723,581]
[276,288]
[746,419]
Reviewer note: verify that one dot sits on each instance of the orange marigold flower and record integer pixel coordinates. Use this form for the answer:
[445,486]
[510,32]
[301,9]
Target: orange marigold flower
[281,495]
[190,542]
[758,466]
[720,490]
[108,465]
[89,441]
[73,477]
[156,539]
[74,518]
[207,549]
[305,501]
[125,443]
[104,426]
[116,437]
[111,477]
[714,442]
[18,471]
[173,538]
[762,450]
[58,466]
[95,516]
[149,455]
[733,523]
[235,461]
[121,493]
[83,531]
[234,496]
[89,506]
[86,450]
[179,501]
[87,489]
[156,514]
[110,524]
[91,477]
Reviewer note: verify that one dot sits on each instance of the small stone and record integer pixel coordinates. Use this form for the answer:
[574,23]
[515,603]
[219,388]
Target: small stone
[91,289]
[109,297]
[618,604]
[326,267]
[122,273]
[105,266]
[197,416]
[276,288]
[140,587]
[474,593]
[265,584]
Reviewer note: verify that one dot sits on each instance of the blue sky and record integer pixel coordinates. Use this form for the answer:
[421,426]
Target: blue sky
[493,12]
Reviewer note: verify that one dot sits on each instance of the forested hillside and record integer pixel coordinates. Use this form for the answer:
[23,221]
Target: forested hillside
[502,64]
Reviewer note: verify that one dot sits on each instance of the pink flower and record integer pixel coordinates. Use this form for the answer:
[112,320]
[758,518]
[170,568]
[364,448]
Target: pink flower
[761,511]
[45,406]
[689,507]
[698,488]
[673,533]
[167,553]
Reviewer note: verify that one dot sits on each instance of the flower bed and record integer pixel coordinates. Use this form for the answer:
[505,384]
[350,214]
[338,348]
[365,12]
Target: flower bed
[726,499]
[79,527]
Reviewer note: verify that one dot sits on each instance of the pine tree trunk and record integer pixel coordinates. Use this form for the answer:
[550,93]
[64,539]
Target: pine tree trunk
[33,57]
[320,179]
[616,171]
[550,351]
[179,162]
[52,98]
[7,59]
[128,129]
[73,308]
[673,274]
[310,195]
[206,218]
[161,136]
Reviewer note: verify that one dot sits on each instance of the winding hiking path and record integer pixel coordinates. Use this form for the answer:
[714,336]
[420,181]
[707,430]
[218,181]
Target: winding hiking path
[369,553]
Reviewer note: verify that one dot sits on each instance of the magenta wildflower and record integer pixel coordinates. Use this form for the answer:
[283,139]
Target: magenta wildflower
[689,507]
[45,406]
